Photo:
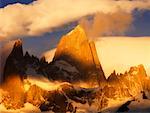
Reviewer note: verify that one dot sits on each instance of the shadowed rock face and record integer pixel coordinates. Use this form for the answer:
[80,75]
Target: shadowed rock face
[61,100]
[76,49]
[14,61]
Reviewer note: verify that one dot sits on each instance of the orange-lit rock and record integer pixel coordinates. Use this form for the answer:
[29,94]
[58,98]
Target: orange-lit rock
[76,49]
[14,97]
[130,83]
[36,95]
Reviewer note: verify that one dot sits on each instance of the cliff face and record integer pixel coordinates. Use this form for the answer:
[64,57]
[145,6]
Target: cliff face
[75,60]
[130,83]
[76,49]
[14,61]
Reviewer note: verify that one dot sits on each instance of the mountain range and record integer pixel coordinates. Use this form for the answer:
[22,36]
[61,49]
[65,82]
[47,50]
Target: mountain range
[75,61]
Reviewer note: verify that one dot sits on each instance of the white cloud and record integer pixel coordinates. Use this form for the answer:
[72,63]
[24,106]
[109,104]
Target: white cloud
[43,15]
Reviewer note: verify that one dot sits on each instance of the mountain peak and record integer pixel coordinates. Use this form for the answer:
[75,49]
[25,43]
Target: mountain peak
[14,57]
[17,50]
[18,43]
[76,49]
[78,29]
[138,70]
[113,77]
[78,33]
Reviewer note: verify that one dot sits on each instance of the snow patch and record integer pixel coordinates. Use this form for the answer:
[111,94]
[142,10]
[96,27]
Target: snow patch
[66,66]
[28,108]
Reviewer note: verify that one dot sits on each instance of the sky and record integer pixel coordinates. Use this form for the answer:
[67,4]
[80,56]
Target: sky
[4,3]
[41,23]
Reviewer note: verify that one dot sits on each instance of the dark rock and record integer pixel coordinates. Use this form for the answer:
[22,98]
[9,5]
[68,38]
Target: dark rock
[58,100]
[124,107]
[77,94]
[62,71]
[144,95]
[14,62]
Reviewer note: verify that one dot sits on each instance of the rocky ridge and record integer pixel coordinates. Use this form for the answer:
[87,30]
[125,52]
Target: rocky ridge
[75,60]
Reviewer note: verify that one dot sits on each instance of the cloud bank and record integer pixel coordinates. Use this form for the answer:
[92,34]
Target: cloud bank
[43,15]
[107,24]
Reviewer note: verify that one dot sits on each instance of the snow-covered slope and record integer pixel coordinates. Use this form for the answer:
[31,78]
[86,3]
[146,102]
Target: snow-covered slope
[28,108]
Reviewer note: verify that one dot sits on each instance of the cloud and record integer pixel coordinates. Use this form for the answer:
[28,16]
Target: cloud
[107,24]
[43,15]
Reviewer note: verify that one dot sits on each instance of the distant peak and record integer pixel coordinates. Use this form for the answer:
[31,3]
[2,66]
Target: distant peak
[27,54]
[43,59]
[18,43]
[78,29]
[141,66]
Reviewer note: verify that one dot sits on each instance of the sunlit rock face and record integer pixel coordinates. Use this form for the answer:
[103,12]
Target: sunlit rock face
[36,95]
[13,96]
[130,83]
[76,49]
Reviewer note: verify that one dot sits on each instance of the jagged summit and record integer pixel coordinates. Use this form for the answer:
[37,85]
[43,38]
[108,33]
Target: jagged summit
[17,50]
[78,30]
[18,43]
[14,60]
[76,49]
[138,70]
[74,38]
[113,77]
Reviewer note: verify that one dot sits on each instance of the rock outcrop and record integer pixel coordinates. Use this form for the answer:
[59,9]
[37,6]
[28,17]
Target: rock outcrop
[130,83]
[17,63]
[14,61]
[14,96]
[62,99]
[76,49]
[36,95]
[61,70]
